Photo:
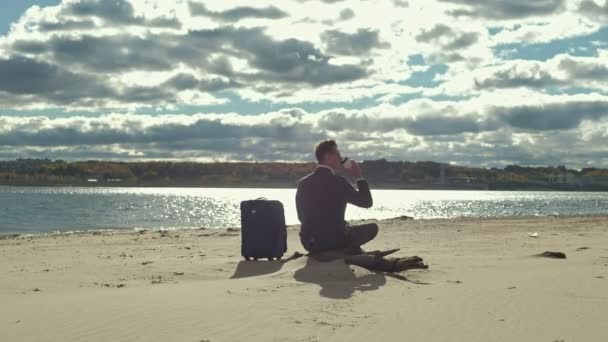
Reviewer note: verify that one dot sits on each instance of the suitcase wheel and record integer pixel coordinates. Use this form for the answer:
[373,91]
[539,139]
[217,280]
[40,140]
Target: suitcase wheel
[247,258]
[255,259]
[270,259]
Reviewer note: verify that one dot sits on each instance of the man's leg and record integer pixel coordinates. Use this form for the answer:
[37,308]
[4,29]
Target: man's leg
[359,235]
[314,245]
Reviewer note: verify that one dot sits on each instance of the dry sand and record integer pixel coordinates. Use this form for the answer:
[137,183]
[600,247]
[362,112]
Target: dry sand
[483,285]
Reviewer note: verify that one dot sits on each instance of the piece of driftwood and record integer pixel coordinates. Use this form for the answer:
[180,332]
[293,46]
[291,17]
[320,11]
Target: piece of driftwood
[379,253]
[293,257]
[381,263]
[554,255]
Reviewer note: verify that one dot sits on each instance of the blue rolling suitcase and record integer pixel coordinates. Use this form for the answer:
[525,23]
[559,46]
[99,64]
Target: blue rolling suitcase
[263,229]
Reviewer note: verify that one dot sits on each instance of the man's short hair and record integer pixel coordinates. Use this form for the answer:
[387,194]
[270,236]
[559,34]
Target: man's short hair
[323,147]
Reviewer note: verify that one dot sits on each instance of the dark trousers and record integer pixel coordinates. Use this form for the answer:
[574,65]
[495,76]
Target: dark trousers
[358,235]
[355,236]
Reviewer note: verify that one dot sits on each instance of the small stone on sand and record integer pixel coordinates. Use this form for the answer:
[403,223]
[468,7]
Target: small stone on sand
[554,255]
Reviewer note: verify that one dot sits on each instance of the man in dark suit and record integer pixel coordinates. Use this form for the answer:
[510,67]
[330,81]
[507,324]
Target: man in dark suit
[321,201]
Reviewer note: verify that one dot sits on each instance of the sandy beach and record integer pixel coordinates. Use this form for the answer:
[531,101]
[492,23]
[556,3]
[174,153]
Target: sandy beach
[483,284]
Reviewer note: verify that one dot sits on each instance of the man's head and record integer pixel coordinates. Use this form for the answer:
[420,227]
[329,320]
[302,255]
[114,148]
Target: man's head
[327,153]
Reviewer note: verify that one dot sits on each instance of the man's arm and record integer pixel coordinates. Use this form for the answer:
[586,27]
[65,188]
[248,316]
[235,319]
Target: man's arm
[299,202]
[360,198]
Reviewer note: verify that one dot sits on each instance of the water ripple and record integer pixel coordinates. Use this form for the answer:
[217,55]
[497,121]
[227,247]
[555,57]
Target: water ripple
[45,209]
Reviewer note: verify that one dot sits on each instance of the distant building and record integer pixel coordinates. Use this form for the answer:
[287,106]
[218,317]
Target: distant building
[564,178]
[597,180]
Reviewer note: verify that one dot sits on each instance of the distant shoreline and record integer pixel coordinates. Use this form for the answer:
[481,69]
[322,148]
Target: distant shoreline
[293,186]
[381,174]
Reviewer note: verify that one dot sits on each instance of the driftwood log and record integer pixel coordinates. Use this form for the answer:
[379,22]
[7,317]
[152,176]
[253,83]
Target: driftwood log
[377,261]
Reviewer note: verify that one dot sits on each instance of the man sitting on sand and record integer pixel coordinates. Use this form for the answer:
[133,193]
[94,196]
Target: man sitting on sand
[321,201]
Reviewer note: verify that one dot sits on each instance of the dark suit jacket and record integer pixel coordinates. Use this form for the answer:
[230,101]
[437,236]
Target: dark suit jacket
[321,201]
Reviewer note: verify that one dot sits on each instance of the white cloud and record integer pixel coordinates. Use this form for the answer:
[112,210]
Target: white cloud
[544,31]
[474,132]
[561,71]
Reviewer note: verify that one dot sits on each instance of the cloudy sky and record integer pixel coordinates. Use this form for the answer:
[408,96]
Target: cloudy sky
[475,82]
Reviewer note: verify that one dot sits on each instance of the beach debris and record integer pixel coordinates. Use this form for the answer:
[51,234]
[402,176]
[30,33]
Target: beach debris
[378,253]
[454,281]
[111,285]
[554,255]
[294,256]
[582,248]
[36,290]
[403,218]
[147,262]
[227,234]
[534,235]
[233,230]
[511,288]
[379,263]
[600,277]
[178,273]
[404,278]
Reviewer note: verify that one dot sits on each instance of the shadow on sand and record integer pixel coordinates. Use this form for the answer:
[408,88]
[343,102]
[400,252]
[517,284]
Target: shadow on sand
[335,277]
[328,270]
[246,268]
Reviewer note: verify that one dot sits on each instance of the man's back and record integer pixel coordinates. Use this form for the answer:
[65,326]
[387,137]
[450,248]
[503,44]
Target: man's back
[321,201]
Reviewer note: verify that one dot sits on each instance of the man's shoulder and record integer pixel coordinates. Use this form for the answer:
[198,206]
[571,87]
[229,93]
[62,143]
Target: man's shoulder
[305,178]
[315,176]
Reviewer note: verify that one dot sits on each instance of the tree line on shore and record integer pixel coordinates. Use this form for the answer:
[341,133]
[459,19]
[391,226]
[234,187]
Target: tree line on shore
[380,173]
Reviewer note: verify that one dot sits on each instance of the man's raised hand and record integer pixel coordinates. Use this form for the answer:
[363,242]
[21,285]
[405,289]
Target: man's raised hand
[355,170]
